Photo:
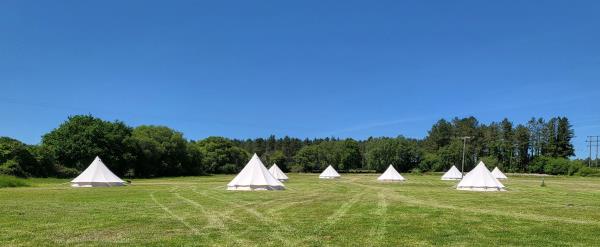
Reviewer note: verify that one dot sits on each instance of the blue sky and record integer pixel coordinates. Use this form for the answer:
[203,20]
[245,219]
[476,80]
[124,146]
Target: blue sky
[246,69]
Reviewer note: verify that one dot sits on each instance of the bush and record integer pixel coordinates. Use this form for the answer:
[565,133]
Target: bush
[66,172]
[361,171]
[416,171]
[229,169]
[431,162]
[9,181]
[574,167]
[557,166]
[585,171]
[537,164]
[12,168]
[296,168]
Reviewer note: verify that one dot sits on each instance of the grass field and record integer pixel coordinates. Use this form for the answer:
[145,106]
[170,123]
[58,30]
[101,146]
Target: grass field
[353,211]
[9,181]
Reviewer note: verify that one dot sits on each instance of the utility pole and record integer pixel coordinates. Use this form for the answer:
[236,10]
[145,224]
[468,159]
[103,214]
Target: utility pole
[596,161]
[591,143]
[464,138]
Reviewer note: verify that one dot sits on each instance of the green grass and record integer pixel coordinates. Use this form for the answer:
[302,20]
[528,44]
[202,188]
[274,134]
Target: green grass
[353,211]
[9,181]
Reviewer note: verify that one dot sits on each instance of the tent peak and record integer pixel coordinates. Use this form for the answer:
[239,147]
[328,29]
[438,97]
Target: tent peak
[452,174]
[390,174]
[277,173]
[329,172]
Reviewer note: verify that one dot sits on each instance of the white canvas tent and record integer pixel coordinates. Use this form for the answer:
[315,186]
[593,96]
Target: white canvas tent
[329,173]
[97,175]
[255,176]
[498,174]
[390,175]
[452,174]
[277,173]
[480,179]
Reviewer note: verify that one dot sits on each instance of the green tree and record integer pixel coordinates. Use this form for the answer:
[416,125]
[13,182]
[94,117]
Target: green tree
[276,157]
[195,160]
[159,151]
[507,147]
[342,155]
[521,140]
[16,159]
[432,162]
[564,136]
[220,155]
[308,159]
[491,141]
[490,162]
[440,135]
[536,135]
[350,156]
[76,142]
[401,152]
[452,155]
[549,146]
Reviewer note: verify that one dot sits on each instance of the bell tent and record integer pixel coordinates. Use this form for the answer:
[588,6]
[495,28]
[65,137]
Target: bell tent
[452,174]
[329,173]
[498,174]
[390,175]
[480,179]
[277,173]
[97,175]
[255,176]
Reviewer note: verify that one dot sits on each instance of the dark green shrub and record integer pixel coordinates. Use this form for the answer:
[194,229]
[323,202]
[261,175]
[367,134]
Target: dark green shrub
[13,168]
[557,166]
[230,169]
[431,162]
[537,164]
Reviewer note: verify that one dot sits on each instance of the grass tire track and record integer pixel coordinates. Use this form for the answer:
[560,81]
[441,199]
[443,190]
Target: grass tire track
[213,219]
[174,216]
[332,219]
[259,216]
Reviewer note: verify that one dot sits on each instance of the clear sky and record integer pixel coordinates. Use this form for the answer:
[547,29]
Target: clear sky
[246,69]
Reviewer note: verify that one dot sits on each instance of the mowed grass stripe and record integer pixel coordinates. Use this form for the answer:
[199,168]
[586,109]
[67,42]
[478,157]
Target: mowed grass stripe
[354,210]
[175,216]
[496,207]
[276,229]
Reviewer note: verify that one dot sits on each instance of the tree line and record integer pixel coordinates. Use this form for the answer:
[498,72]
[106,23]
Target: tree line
[540,146]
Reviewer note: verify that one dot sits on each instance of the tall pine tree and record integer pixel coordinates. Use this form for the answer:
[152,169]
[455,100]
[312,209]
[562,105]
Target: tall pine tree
[564,134]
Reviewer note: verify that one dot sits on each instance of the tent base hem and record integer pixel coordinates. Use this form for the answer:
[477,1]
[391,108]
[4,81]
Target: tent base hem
[481,189]
[255,187]
[95,184]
